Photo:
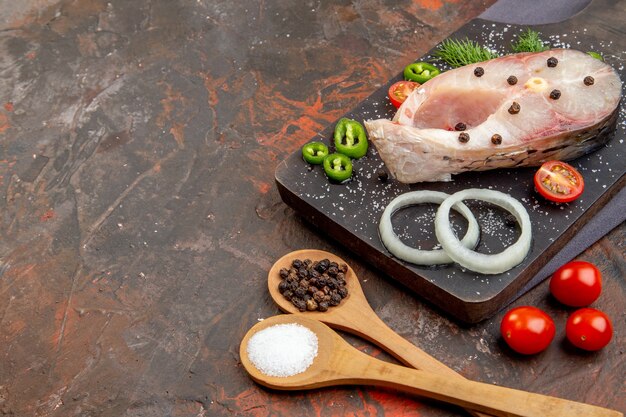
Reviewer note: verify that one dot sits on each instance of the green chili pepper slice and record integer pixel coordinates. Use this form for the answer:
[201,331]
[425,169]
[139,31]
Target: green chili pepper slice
[314,152]
[350,138]
[420,72]
[338,167]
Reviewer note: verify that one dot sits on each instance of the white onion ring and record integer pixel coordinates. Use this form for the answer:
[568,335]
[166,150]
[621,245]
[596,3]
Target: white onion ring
[479,262]
[416,256]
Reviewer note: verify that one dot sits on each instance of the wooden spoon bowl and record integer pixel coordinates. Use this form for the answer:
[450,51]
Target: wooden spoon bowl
[351,304]
[338,363]
[354,314]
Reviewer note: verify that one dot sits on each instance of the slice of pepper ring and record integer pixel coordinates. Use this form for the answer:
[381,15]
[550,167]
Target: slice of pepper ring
[338,167]
[350,138]
[420,72]
[314,152]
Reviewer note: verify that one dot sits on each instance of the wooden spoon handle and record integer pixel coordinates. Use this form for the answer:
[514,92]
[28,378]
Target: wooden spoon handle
[491,399]
[372,328]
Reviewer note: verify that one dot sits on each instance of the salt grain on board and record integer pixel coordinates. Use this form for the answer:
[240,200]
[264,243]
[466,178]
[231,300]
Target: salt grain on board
[282,350]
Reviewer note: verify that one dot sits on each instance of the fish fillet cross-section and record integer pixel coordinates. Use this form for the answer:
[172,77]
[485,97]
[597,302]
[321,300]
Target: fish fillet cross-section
[552,112]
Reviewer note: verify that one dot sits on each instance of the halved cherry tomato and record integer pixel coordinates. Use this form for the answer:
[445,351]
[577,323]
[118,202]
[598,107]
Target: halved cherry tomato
[527,330]
[399,91]
[589,329]
[559,182]
[576,284]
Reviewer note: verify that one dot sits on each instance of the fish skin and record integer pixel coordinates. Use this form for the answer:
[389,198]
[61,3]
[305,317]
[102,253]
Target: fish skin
[419,144]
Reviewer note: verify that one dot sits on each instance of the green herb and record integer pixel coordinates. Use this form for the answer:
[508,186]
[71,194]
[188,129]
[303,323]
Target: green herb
[596,55]
[529,41]
[458,53]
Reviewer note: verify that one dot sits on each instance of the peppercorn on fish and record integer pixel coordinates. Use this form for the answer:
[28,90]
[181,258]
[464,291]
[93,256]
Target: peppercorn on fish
[518,110]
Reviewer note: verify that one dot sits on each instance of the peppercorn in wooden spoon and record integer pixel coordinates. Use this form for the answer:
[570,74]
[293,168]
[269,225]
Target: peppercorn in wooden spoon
[332,361]
[355,315]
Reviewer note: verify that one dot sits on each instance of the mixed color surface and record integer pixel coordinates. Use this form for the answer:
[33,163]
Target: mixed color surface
[138,142]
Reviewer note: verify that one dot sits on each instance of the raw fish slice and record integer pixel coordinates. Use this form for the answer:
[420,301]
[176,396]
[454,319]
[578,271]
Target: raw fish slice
[421,143]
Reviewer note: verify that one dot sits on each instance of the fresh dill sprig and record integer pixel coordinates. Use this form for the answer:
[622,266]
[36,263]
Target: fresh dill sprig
[529,41]
[458,53]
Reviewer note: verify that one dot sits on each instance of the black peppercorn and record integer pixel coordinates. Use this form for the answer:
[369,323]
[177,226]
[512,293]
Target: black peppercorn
[297,263]
[323,306]
[588,80]
[552,61]
[333,271]
[479,71]
[512,80]
[460,127]
[299,303]
[300,292]
[343,268]
[496,139]
[341,276]
[515,108]
[283,286]
[311,305]
[555,94]
[322,265]
[288,294]
[343,292]
[335,299]
[284,273]
[382,175]
[318,296]
[464,137]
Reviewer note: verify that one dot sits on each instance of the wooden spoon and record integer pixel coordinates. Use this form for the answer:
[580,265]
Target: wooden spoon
[355,315]
[338,363]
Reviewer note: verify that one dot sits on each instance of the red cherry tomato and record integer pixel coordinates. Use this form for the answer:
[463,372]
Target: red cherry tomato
[399,91]
[589,329]
[527,330]
[576,284]
[559,182]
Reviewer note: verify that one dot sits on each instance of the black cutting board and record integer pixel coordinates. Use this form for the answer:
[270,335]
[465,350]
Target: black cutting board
[349,213]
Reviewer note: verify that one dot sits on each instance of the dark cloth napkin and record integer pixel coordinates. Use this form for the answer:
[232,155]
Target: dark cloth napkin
[533,12]
[537,12]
